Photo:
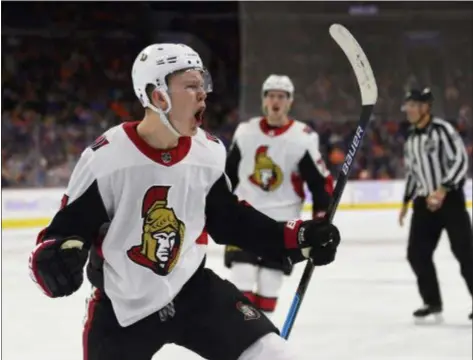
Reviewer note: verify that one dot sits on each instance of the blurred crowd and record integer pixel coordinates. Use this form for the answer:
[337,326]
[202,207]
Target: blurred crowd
[66,79]
[404,54]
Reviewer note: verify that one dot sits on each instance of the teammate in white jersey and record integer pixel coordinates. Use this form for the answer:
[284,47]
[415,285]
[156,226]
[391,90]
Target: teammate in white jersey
[154,189]
[270,159]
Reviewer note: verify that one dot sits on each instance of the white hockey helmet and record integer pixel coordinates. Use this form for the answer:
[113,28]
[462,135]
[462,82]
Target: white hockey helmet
[278,82]
[155,63]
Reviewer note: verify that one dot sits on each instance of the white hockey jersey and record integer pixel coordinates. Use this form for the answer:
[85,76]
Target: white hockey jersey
[159,206]
[268,166]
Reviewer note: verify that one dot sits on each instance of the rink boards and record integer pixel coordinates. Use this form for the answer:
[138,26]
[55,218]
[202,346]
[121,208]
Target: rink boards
[364,206]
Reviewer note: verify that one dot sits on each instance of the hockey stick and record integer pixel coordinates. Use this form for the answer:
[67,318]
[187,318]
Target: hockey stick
[369,95]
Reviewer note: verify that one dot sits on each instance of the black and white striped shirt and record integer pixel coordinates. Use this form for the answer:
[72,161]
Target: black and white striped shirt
[434,156]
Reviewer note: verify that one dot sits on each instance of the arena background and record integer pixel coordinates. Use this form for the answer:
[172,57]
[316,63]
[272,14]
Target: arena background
[66,79]
[66,72]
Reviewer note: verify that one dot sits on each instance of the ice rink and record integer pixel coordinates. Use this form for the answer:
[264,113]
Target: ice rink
[359,308]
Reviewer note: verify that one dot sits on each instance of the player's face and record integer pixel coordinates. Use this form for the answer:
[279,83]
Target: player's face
[188,101]
[277,103]
[415,110]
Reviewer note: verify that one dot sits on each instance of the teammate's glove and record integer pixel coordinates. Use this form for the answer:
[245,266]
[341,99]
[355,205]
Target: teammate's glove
[316,239]
[57,265]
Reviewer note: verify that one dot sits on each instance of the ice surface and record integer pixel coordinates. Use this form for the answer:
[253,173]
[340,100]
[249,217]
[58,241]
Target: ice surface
[357,309]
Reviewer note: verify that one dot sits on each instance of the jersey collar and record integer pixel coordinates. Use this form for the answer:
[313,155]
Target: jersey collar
[166,157]
[274,130]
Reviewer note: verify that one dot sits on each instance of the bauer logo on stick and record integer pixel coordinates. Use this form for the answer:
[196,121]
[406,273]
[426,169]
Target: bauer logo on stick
[162,236]
[352,151]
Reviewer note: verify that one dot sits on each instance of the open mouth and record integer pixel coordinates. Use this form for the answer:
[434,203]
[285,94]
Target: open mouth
[276,108]
[199,116]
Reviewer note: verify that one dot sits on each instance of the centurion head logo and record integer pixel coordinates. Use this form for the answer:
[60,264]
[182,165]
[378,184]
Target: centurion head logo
[162,235]
[267,175]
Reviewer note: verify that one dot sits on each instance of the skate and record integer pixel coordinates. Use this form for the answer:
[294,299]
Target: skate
[428,315]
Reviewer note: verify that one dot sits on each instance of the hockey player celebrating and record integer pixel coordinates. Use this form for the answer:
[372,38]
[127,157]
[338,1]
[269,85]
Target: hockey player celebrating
[269,160]
[159,186]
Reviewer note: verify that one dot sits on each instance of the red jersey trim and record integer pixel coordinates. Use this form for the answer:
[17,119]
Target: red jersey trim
[273,130]
[166,157]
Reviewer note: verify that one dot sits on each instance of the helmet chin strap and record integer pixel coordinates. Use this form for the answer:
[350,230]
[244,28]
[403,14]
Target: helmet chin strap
[163,114]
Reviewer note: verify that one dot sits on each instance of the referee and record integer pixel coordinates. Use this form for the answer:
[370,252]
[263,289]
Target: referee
[436,162]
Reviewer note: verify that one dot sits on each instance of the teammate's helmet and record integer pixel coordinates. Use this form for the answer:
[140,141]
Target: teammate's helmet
[278,82]
[155,63]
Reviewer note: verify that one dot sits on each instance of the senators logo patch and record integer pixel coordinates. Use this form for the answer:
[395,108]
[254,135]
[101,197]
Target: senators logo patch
[99,142]
[212,137]
[308,129]
[266,175]
[163,233]
[249,312]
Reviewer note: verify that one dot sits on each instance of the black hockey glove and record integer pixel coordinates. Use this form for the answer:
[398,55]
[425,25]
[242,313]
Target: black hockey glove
[57,266]
[317,240]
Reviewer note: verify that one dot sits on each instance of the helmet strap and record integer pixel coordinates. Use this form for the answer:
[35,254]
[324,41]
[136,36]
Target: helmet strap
[162,114]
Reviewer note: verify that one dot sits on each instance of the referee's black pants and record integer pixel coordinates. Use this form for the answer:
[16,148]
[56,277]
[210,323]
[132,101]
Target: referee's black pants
[425,231]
